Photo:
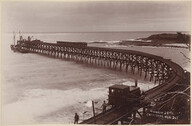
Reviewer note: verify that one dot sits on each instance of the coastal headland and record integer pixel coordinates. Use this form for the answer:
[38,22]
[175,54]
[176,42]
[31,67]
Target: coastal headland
[164,39]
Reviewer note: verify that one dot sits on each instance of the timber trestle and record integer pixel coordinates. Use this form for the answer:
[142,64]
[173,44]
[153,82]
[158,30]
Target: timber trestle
[151,67]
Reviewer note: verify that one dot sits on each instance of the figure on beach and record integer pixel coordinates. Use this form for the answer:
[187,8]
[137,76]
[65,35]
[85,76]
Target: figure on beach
[104,106]
[76,118]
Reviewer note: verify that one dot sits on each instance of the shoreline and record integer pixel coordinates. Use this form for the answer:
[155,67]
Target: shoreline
[173,45]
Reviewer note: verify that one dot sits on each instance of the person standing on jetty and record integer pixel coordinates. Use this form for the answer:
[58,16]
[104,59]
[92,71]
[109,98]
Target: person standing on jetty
[76,118]
[104,105]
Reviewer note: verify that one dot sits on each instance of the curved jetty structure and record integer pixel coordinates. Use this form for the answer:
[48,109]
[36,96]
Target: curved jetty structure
[154,68]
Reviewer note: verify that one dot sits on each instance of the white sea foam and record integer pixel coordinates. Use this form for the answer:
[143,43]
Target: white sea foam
[40,102]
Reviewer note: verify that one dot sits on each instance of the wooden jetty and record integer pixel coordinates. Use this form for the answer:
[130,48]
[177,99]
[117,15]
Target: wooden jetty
[154,68]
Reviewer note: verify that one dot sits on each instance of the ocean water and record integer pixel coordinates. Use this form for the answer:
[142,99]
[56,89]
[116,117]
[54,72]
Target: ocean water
[37,89]
[92,36]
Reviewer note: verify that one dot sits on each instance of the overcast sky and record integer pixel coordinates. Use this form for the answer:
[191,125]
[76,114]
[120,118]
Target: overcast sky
[95,16]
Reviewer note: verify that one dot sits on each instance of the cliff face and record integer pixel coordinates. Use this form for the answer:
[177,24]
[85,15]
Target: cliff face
[169,38]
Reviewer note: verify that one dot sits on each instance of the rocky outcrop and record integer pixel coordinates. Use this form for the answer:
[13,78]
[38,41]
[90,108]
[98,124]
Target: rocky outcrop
[169,38]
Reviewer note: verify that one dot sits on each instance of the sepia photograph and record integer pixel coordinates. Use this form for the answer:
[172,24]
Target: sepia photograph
[95,62]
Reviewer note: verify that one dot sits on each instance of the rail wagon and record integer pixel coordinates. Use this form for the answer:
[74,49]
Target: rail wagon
[75,44]
[124,95]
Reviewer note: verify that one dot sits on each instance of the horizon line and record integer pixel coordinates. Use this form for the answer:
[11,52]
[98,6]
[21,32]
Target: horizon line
[94,32]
